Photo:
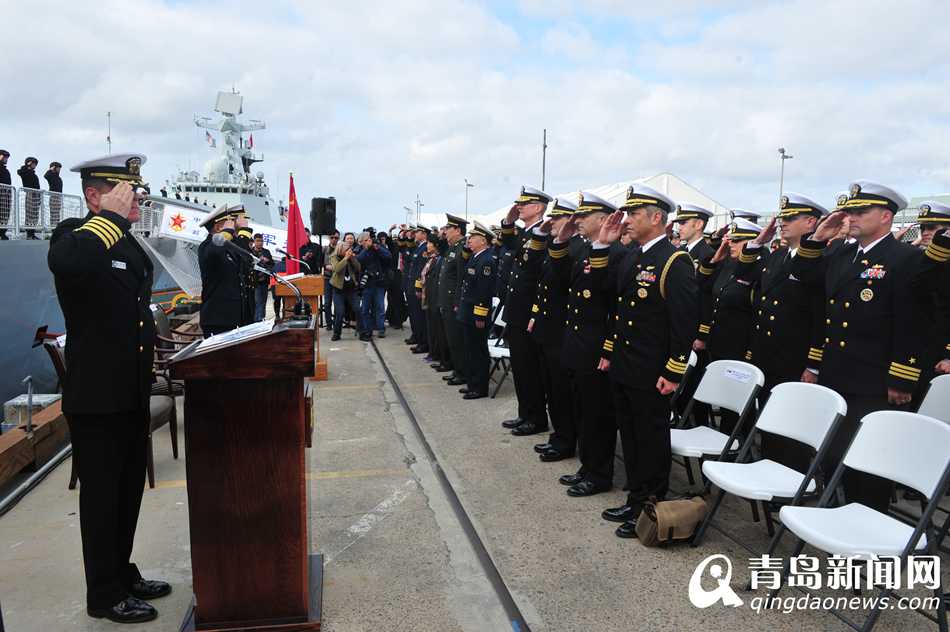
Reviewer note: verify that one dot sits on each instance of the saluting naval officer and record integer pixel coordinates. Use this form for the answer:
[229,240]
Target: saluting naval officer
[104,284]
[547,329]
[223,275]
[417,317]
[476,292]
[877,315]
[787,337]
[932,217]
[522,289]
[648,350]
[590,305]
[450,277]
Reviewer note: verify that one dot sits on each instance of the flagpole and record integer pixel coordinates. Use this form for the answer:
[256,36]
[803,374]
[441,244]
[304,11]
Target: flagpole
[109,131]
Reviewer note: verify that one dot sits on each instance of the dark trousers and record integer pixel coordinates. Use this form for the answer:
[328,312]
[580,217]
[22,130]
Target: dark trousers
[643,417]
[476,354]
[438,344]
[526,374]
[867,489]
[396,311]
[328,303]
[373,310]
[417,319]
[557,392]
[260,301]
[455,342]
[597,428]
[343,300]
[788,452]
[110,458]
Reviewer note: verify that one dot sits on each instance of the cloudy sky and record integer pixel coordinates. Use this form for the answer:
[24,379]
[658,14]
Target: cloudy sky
[376,102]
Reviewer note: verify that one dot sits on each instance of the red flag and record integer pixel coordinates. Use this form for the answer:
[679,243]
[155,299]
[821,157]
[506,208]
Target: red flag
[296,236]
[250,144]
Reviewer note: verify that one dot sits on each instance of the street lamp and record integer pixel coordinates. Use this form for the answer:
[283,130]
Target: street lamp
[781,178]
[408,214]
[419,206]
[468,185]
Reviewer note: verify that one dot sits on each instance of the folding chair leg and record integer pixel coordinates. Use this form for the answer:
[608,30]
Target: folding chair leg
[173,429]
[73,472]
[494,366]
[689,470]
[500,382]
[150,464]
[769,525]
[755,510]
[787,567]
[701,531]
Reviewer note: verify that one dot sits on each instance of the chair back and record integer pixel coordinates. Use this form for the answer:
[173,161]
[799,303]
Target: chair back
[801,411]
[908,448]
[936,402]
[162,326]
[691,366]
[498,309]
[57,356]
[729,384]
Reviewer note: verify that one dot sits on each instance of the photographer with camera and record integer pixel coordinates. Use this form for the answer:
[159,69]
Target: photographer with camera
[375,260]
[344,278]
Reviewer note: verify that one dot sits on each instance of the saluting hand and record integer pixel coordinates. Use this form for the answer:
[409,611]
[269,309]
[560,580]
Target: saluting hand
[228,225]
[766,235]
[611,228]
[567,230]
[546,226]
[118,200]
[512,214]
[242,222]
[829,227]
[722,252]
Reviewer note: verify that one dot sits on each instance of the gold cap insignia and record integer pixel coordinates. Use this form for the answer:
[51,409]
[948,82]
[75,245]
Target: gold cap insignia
[855,189]
[784,201]
[842,199]
[133,165]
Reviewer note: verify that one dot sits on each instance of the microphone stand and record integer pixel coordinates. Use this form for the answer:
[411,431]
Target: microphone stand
[302,312]
[292,258]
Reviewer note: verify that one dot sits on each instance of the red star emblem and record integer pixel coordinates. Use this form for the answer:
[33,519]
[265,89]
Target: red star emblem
[178,222]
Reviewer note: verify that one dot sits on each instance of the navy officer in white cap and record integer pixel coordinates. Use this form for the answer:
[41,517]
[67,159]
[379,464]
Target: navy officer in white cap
[104,285]
[876,318]
[223,284]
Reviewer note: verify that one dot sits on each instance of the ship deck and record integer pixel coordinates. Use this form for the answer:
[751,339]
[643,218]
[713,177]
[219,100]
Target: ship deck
[397,555]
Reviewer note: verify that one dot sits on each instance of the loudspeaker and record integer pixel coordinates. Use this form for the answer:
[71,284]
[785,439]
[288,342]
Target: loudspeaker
[323,216]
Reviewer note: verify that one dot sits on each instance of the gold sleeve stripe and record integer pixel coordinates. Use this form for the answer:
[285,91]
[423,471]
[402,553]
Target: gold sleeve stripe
[706,271]
[418,284]
[808,253]
[948,347]
[748,355]
[245,232]
[904,376]
[666,269]
[675,367]
[608,345]
[905,368]
[557,254]
[109,225]
[598,262]
[466,254]
[704,329]
[937,253]
[534,309]
[507,231]
[98,232]
[479,310]
[536,243]
[744,258]
[227,235]
[815,354]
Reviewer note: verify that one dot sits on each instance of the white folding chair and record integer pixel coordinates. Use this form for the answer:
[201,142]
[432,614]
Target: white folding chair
[936,402]
[675,420]
[907,448]
[497,350]
[731,385]
[807,413]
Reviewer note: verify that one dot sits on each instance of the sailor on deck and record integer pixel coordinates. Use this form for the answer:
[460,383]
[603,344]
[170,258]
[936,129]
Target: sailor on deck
[104,283]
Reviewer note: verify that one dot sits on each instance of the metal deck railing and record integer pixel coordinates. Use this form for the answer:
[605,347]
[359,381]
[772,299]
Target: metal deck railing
[28,212]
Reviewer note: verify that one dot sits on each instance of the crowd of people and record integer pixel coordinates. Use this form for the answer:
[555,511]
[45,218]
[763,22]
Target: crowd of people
[602,307]
[29,180]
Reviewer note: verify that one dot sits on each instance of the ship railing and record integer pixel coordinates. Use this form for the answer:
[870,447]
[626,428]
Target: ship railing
[26,212]
[150,218]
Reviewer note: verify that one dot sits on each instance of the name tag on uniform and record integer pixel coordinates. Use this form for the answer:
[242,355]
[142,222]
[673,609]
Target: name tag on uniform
[118,264]
[470,270]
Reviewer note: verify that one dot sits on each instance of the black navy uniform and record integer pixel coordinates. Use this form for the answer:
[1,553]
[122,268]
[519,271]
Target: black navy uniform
[653,331]
[525,354]
[224,283]
[104,282]
[450,276]
[417,318]
[475,300]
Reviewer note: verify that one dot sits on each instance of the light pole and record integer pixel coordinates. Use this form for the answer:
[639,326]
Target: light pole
[419,206]
[408,213]
[468,185]
[781,177]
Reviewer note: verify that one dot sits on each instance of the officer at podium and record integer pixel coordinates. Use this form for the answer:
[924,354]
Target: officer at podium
[224,281]
[104,283]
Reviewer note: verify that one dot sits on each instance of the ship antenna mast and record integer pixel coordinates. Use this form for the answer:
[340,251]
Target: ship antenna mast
[109,131]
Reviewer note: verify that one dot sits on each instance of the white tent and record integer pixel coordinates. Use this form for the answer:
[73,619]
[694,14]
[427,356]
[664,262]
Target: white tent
[679,190]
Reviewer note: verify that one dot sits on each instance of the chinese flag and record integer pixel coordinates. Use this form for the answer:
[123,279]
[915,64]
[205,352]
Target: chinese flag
[296,236]
[250,144]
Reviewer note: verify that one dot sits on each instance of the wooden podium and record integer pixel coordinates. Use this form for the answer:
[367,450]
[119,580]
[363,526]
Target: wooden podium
[245,437]
[311,288]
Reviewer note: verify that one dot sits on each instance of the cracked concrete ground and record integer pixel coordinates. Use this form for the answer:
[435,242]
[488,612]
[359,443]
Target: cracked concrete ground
[396,557]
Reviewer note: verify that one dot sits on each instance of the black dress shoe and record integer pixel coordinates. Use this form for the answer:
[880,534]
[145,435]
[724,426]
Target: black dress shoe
[512,423]
[419,349]
[541,447]
[474,395]
[148,589]
[450,376]
[463,390]
[623,513]
[455,381]
[528,428]
[129,610]
[438,368]
[570,479]
[627,529]
[410,341]
[553,454]
[335,337]
[585,488]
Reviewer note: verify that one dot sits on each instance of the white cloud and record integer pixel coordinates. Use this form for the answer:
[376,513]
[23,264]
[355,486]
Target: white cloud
[375,102]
